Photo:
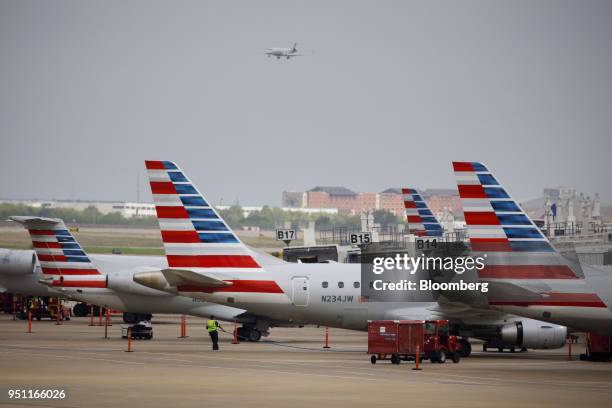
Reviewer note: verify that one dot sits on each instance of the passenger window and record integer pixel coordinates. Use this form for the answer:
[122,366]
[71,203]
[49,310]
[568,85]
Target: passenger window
[340,285]
[356,285]
[324,284]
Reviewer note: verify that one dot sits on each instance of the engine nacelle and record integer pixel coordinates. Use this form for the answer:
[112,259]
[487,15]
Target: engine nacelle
[533,334]
[124,282]
[17,262]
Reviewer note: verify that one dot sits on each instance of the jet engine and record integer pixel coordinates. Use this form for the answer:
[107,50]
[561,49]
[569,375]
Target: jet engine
[533,335]
[17,262]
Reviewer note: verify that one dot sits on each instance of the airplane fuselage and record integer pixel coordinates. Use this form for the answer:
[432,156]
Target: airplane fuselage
[330,294]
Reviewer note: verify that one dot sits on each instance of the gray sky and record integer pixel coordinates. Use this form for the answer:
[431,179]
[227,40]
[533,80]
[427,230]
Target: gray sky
[387,94]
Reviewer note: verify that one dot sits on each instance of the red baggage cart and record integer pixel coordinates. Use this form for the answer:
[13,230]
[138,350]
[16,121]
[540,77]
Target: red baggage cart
[395,340]
[398,340]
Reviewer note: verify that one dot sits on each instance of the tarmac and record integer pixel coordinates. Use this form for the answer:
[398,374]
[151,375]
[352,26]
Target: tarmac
[289,368]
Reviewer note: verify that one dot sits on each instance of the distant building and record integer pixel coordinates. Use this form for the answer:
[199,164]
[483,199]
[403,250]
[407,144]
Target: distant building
[128,210]
[332,197]
[294,199]
[246,210]
[392,200]
[349,202]
[440,199]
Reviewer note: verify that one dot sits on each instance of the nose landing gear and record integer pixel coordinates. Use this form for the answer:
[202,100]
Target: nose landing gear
[249,333]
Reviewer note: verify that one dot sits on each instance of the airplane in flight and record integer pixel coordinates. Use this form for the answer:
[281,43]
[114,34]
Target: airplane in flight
[207,261]
[526,275]
[283,52]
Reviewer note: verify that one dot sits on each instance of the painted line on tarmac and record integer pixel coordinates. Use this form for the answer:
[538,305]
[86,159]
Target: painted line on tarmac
[502,381]
[70,357]
[270,363]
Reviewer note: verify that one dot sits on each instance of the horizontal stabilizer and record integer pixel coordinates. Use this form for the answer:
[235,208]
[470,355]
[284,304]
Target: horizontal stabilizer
[177,277]
[35,221]
[169,280]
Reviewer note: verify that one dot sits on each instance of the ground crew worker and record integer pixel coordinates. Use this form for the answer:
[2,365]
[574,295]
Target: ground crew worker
[213,326]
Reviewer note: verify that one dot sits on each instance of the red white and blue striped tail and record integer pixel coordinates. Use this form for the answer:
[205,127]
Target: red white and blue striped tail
[59,254]
[495,222]
[421,221]
[193,233]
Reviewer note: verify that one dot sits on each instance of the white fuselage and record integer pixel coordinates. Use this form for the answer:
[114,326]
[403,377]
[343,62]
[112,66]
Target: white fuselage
[302,298]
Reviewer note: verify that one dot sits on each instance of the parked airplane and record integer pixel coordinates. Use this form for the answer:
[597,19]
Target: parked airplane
[421,221]
[207,261]
[60,267]
[283,52]
[527,276]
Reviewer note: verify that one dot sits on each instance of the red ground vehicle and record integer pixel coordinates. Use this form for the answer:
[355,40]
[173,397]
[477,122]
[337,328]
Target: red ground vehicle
[439,344]
[599,348]
[398,340]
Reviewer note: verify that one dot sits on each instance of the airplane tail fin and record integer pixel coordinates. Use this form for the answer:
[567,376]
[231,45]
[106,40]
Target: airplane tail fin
[59,253]
[421,221]
[294,49]
[498,226]
[495,222]
[193,233]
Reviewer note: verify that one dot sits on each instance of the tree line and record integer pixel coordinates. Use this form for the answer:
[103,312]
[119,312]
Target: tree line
[268,218]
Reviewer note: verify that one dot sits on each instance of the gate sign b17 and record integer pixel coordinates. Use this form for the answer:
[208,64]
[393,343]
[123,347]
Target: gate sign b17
[286,235]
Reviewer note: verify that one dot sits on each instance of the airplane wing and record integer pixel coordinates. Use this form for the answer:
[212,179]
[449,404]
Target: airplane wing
[501,291]
[462,311]
[177,277]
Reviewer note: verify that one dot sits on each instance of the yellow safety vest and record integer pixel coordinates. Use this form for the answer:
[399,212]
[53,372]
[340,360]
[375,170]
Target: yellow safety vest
[211,325]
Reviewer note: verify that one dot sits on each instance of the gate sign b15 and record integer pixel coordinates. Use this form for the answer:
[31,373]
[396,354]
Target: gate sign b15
[360,238]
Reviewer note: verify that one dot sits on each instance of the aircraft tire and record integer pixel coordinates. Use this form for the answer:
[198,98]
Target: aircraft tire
[254,335]
[442,356]
[80,310]
[456,357]
[466,348]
